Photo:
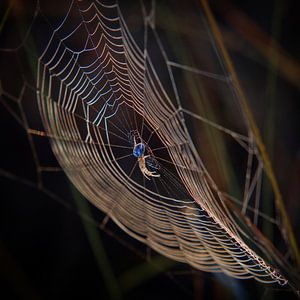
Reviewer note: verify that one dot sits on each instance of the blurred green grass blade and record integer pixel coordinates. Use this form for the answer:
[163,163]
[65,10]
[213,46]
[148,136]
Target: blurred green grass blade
[6,14]
[145,271]
[271,98]
[97,247]
[202,105]
[252,123]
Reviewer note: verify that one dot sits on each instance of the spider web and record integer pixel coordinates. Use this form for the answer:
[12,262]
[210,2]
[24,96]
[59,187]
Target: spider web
[100,86]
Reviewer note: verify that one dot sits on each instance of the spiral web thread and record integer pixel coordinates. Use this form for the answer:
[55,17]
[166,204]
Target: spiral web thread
[100,93]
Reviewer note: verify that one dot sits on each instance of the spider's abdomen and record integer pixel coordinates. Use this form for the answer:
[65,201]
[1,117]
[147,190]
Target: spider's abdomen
[138,150]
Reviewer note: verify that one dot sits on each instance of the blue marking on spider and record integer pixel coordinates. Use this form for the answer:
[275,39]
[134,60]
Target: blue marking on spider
[152,163]
[138,150]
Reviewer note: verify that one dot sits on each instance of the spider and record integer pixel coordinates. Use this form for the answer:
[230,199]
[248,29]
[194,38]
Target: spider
[138,151]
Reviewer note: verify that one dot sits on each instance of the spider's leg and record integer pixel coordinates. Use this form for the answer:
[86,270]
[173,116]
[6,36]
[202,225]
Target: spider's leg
[154,174]
[146,176]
